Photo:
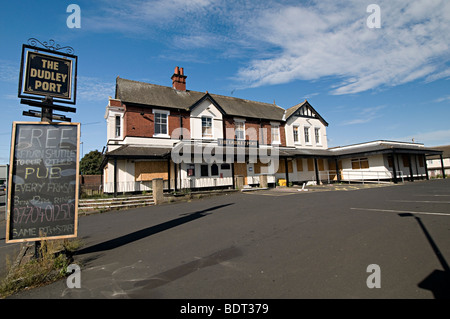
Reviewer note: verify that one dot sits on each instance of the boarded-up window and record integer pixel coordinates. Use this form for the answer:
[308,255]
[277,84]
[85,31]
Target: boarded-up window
[320,164]
[261,168]
[299,165]
[360,163]
[390,161]
[282,167]
[310,165]
[146,171]
[405,160]
[240,169]
[421,163]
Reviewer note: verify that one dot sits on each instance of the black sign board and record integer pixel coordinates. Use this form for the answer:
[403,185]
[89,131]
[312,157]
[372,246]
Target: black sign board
[48,75]
[237,143]
[43,181]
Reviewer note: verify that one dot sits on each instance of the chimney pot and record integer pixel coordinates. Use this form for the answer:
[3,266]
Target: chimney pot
[179,79]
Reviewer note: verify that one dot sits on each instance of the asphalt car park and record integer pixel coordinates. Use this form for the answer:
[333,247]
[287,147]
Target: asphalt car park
[301,244]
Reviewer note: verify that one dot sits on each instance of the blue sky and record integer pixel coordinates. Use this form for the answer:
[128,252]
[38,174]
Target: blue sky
[391,82]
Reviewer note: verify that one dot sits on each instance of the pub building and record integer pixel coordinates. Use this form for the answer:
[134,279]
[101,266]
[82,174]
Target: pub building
[198,140]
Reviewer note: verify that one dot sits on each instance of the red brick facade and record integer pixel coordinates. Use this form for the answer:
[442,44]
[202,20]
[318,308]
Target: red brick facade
[139,121]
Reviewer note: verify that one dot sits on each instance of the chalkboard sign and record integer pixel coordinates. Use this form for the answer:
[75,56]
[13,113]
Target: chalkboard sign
[43,183]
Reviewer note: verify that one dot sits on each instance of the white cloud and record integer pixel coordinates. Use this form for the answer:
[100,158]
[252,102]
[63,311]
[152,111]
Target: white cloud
[366,115]
[442,99]
[329,39]
[9,72]
[94,89]
[439,137]
[286,40]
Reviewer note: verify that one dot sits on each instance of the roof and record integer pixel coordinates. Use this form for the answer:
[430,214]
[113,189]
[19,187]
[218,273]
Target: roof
[155,95]
[129,91]
[139,151]
[305,104]
[445,151]
[381,147]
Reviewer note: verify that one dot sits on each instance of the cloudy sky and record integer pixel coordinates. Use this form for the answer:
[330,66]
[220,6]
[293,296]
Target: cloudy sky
[390,82]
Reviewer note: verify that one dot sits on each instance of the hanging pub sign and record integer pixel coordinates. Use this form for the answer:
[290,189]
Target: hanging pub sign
[43,181]
[46,72]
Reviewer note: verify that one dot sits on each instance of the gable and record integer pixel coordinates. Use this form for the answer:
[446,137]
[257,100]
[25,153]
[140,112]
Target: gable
[304,110]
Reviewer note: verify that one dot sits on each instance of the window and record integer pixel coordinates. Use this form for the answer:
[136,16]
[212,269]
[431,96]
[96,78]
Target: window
[239,130]
[161,128]
[214,170]
[207,127]
[317,135]
[421,163]
[405,160]
[275,134]
[360,163]
[306,132]
[204,170]
[191,170]
[225,166]
[295,131]
[299,165]
[390,161]
[118,126]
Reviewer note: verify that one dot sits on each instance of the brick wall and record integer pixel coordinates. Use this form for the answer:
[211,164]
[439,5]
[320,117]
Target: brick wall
[140,121]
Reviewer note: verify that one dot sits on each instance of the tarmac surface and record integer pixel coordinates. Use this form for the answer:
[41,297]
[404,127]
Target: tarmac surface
[278,243]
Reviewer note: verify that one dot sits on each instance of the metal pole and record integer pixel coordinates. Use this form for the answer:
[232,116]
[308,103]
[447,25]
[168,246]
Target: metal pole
[442,166]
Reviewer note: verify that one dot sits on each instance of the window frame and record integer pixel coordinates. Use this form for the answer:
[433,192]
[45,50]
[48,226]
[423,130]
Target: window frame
[240,122]
[307,135]
[118,126]
[295,133]
[317,136]
[275,126]
[210,119]
[166,113]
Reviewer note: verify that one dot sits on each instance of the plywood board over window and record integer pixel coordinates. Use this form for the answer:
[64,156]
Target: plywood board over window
[360,163]
[405,160]
[310,165]
[299,165]
[146,171]
[282,167]
[320,164]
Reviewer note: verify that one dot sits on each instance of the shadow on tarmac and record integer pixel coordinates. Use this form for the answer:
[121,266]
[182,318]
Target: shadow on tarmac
[438,282]
[149,231]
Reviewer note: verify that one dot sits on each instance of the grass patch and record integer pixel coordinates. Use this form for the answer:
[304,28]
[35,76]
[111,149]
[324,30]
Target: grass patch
[55,257]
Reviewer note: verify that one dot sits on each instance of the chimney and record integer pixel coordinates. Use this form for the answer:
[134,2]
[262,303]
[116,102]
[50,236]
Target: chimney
[179,79]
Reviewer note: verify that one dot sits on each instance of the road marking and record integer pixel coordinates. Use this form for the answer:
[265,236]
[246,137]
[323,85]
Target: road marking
[430,195]
[399,211]
[419,201]
[270,194]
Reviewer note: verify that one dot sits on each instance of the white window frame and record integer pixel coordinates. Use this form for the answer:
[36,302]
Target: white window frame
[298,142]
[208,137]
[307,134]
[273,126]
[167,113]
[240,121]
[317,138]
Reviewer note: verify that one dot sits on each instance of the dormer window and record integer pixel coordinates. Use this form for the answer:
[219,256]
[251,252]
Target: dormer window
[207,127]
